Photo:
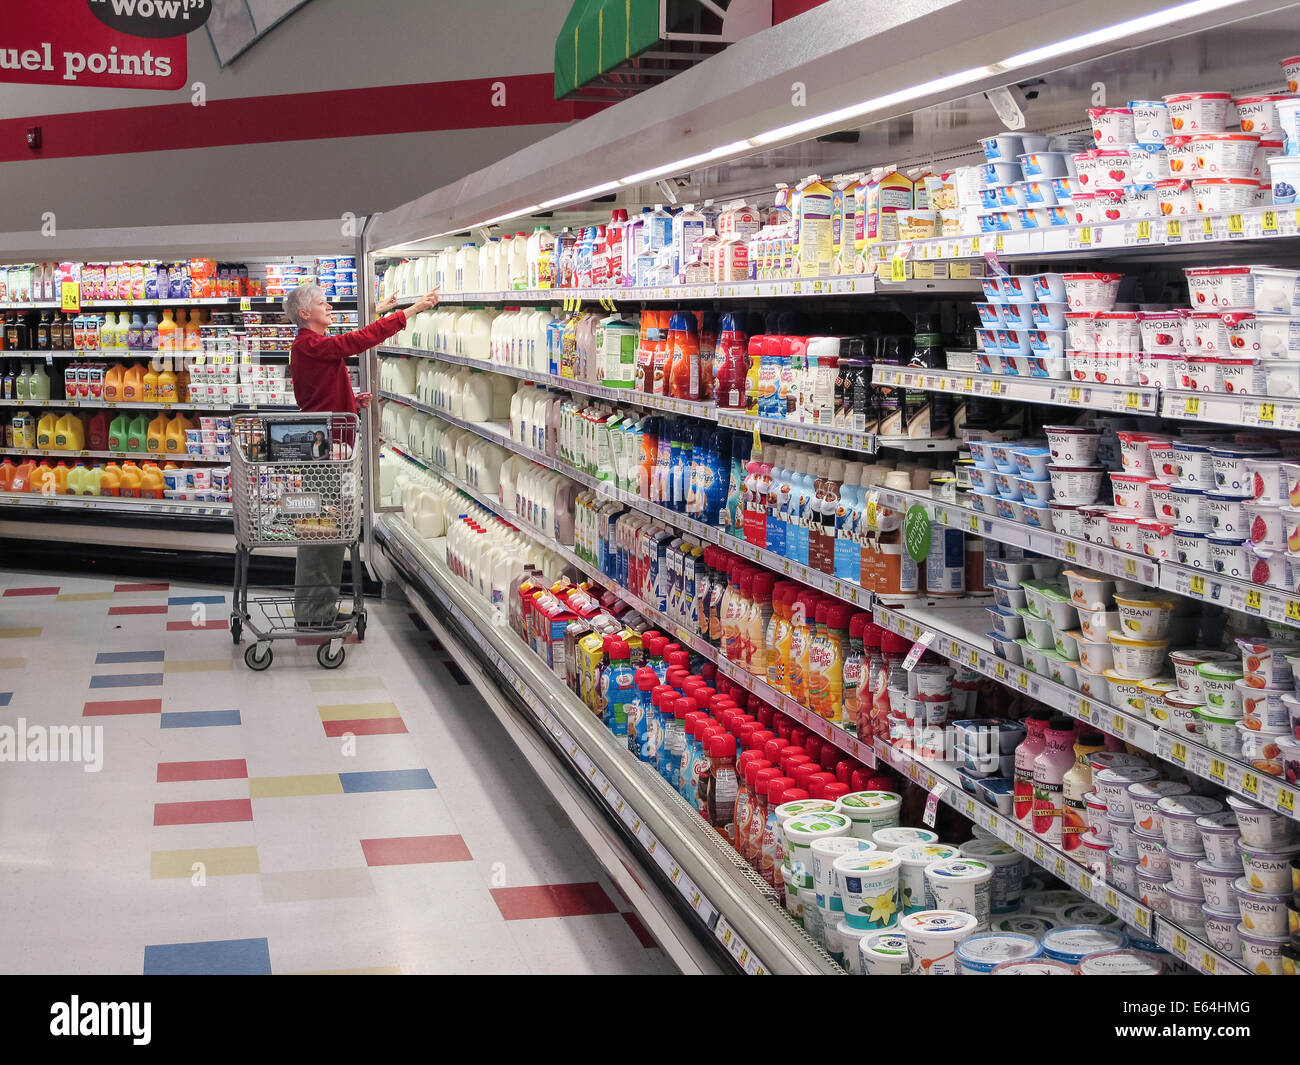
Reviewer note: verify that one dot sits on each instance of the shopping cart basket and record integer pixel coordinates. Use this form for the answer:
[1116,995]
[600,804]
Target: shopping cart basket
[295,479]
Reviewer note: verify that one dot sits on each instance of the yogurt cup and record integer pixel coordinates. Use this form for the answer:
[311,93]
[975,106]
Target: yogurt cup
[1264,663]
[1219,834]
[1152,891]
[1219,683]
[1091,291]
[1156,538]
[1223,288]
[1219,733]
[1221,929]
[1098,818]
[1227,518]
[870,811]
[1111,126]
[869,886]
[1178,820]
[1174,194]
[1284,171]
[1074,485]
[1264,709]
[1260,827]
[977,955]
[932,937]
[1258,114]
[1143,799]
[824,853]
[1225,155]
[1185,663]
[1263,914]
[1184,909]
[1277,291]
[914,857]
[1123,872]
[1263,750]
[883,954]
[892,838]
[1136,659]
[1198,112]
[1268,870]
[1216,886]
[1183,875]
[1072,945]
[1132,493]
[1151,854]
[1111,786]
[1262,955]
[1144,618]
[1122,963]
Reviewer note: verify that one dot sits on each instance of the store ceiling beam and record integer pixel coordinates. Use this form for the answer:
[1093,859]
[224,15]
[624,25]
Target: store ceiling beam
[901,58]
[236,241]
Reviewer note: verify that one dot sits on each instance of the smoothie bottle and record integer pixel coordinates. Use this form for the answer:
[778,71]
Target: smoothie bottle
[1057,759]
[1026,755]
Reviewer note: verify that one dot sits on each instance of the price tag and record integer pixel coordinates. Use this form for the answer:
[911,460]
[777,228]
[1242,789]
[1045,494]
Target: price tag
[1144,230]
[1111,899]
[1173,229]
[1209,963]
[932,804]
[1180,944]
[1192,406]
[1132,401]
[1218,771]
[245,304]
[1268,225]
[1076,395]
[1267,412]
[70,296]
[1197,585]
[1142,918]
[1071,551]
[1207,227]
[1085,883]
[1235,226]
[918,649]
[1254,599]
[973,657]
[1085,236]
[897,268]
[1293,610]
[1130,567]
[1250,784]
[1117,723]
[1286,800]
[1000,670]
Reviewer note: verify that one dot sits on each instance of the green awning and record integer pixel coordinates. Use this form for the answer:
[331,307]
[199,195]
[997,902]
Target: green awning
[599,35]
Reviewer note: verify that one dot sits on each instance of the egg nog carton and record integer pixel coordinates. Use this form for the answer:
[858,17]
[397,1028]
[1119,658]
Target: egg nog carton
[739,220]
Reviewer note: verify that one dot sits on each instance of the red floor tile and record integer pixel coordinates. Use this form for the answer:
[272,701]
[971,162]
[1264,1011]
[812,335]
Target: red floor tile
[212,812]
[415,850]
[31,591]
[372,726]
[225,769]
[147,608]
[112,707]
[140,587]
[639,930]
[185,626]
[552,900]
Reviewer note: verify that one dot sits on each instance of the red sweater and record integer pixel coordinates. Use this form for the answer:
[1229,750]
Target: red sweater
[319,369]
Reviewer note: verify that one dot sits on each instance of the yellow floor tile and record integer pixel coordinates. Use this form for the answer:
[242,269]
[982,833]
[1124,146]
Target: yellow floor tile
[284,787]
[345,684]
[357,711]
[20,634]
[217,861]
[82,597]
[308,884]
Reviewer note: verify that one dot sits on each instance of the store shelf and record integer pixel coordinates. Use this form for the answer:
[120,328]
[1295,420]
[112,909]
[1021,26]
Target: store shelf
[1257,412]
[829,731]
[1231,773]
[151,405]
[731,902]
[1124,399]
[1194,952]
[204,301]
[111,504]
[780,429]
[50,453]
[930,775]
[1271,604]
[1139,236]
[1129,565]
[58,354]
[957,631]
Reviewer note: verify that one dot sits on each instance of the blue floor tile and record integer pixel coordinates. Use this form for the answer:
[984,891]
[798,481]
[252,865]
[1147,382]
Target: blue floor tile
[5,697]
[387,780]
[126,680]
[199,718]
[220,957]
[186,600]
[105,658]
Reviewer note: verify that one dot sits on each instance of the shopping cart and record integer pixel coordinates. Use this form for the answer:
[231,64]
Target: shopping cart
[295,479]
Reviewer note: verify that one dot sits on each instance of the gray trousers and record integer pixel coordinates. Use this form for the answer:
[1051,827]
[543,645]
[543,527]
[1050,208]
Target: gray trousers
[317,576]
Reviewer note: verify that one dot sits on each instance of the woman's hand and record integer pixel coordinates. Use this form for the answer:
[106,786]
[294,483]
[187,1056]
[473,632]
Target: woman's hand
[428,300]
[387,305]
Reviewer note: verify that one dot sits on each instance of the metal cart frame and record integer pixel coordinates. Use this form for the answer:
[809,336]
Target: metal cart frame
[282,495]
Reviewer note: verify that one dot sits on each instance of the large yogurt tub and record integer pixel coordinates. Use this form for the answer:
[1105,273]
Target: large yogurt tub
[914,857]
[932,938]
[1008,866]
[979,954]
[869,811]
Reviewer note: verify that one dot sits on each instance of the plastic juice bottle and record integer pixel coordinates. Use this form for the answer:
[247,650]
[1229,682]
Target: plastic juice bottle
[760,616]
[69,433]
[149,382]
[131,480]
[135,332]
[46,431]
[193,340]
[38,383]
[119,433]
[1057,759]
[174,439]
[802,621]
[60,475]
[22,478]
[1077,784]
[152,482]
[1026,754]
[110,482]
[156,436]
[97,431]
[113,382]
[167,332]
[42,479]
[166,383]
[137,437]
[133,383]
[7,470]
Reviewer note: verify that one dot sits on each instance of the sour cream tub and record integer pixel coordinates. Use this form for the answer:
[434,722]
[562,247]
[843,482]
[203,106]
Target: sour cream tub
[883,954]
[892,838]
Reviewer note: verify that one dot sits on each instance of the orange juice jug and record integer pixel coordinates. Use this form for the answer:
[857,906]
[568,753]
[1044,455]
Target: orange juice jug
[132,383]
[46,430]
[174,440]
[193,339]
[22,480]
[69,433]
[7,471]
[113,382]
[130,480]
[61,472]
[168,332]
[42,479]
[167,383]
[156,438]
[110,480]
[97,431]
[151,481]
[149,382]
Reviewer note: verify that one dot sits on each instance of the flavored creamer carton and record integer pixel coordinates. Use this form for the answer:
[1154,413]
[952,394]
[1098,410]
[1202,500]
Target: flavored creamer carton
[815,231]
[892,193]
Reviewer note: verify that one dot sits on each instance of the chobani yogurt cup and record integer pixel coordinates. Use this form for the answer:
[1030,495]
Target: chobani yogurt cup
[1219,834]
[1009,867]
[868,884]
[1121,963]
[883,954]
[1178,815]
[870,811]
[914,858]
[978,954]
[1216,886]
[1260,827]
[1262,913]
[801,830]
[1183,874]
[1262,954]
[1143,797]
[1221,929]
[824,853]
[1269,869]
[888,839]
[1123,872]
[1151,854]
[1222,288]
[1028,924]
[932,939]
[1111,786]
[1072,945]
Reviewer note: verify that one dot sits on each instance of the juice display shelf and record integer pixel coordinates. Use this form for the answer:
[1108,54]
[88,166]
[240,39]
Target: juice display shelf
[1120,399]
[957,632]
[1129,565]
[242,302]
[731,903]
[1213,233]
[52,453]
[1186,945]
[833,733]
[111,504]
[152,405]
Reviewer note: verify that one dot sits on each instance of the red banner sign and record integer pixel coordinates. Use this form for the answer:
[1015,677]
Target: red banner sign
[60,42]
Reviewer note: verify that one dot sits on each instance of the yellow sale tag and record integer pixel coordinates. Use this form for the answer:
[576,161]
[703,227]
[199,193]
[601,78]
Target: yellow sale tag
[1209,963]
[1179,752]
[871,514]
[1207,226]
[1267,412]
[1131,400]
[245,304]
[1000,671]
[1130,567]
[1076,395]
[1112,900]
[1085,235]
[975,242]
[1143,919]
[1197,586]
[1293,610]
[1250,783]
[1071,551]
[1235,226]
[1192,405]
[998,244]
[1253,599]
[1270,222]
[1144,231]
[1286,799]
[968,384]
[1217,770]
[70,296]
[974,523]
[897,268]
[1174,229]
[1117,723]
[1180,945]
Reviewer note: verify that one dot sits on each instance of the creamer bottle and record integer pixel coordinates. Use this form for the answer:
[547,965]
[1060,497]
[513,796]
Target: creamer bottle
[760,616]
[802,620]
[826,660]
[778,635]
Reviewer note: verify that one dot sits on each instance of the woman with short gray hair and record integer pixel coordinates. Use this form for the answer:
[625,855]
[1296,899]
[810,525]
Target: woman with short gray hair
[319,370]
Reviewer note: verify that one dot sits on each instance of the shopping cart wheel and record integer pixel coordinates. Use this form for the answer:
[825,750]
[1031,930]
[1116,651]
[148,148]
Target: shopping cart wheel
[361,626]
[236,629]
[253,662]
[327,660]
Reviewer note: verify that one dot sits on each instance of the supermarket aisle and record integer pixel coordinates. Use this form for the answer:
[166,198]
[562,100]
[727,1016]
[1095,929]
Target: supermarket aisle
[232,827]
